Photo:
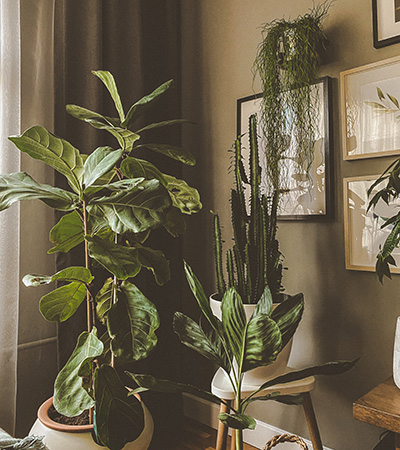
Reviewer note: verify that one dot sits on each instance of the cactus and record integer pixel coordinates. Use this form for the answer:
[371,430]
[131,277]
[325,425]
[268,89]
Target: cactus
[254,260]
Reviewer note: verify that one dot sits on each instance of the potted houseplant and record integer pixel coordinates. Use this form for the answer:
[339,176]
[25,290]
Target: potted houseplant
[287,61]
[251,344]
[239,340]
[114,201]
[254,262]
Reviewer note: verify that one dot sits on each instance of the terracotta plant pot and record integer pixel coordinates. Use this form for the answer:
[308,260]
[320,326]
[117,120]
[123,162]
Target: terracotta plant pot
[255,377]
[79,437]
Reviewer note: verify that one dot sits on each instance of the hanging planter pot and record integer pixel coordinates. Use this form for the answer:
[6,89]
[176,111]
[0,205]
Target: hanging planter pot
[259,375]
[58,436]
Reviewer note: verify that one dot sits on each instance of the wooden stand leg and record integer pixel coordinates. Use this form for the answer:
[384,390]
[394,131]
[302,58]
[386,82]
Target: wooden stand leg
[312,422]
[397,441]
[222,429]
[233,440]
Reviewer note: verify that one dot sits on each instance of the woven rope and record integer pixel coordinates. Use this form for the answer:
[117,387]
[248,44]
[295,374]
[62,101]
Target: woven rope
[285,438]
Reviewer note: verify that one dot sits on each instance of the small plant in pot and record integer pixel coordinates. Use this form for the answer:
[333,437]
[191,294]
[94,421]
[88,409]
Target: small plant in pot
[234,339]
[114,202]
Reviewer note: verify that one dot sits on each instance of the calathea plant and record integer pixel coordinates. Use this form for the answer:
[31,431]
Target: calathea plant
[255,260]
[114,201]
[250,344]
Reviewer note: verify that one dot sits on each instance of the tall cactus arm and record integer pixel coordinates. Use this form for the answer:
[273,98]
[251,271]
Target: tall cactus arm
[249,281]
[255,170]
[240,174]
[230,269]
[240,272]
[238,222]
[221,286]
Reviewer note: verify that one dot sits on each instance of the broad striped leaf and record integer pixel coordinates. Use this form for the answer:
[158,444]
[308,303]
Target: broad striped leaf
[70,398]
[237,421]
[132,322]
[119,417]
[287,316]
[38,143]
[191,335]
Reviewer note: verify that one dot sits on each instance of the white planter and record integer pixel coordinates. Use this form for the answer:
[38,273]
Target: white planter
[257,376]
[67,437]
[396,355]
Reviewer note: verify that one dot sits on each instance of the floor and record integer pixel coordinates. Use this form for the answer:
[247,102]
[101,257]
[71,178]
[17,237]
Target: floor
[201,437]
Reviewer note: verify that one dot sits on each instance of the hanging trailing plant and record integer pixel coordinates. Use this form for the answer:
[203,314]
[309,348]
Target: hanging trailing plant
[287,62]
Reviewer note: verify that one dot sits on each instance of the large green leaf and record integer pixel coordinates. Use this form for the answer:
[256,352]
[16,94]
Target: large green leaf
[60,304]
[144,103]
[200,296]
[38,143]
[93,118]
[109,82]
[330,368]
[80,274]
[101,161]
[119,418]
[126,138]
[234,322]
[264,305]
[156,262]
[104,299]
[70,398]
[263,342]
[140,168]
[184,197]
[134,205]
[121,261]
[191,335]
[237,421]
[171,387]
[164,123]
[177,153]
[287,315]
[132,322]
[67,233]
[20,186]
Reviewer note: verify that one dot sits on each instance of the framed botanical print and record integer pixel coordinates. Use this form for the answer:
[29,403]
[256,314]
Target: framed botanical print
[370,110]
[307,197]
[386,22]
[363,233]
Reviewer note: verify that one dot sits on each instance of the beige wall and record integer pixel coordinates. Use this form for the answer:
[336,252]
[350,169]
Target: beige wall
[348,313]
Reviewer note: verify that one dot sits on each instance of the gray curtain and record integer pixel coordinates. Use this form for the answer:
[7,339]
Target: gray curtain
[139,42]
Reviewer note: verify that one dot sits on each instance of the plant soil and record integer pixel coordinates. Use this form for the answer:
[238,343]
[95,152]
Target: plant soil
[82,419]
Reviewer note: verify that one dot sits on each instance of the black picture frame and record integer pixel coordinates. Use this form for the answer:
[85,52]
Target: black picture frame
[379,42]
[250,102]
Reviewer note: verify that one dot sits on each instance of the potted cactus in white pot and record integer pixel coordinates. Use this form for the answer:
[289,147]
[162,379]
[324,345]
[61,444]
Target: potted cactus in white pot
[114,202]
[254,262]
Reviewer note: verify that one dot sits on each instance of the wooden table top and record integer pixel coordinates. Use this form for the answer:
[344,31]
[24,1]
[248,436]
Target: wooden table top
[380,406]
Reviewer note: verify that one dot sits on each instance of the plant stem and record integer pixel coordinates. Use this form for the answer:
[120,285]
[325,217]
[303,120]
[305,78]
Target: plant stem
[89,300]
[239,439]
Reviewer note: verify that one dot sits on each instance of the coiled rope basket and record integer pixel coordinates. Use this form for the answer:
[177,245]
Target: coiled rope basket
[280,439]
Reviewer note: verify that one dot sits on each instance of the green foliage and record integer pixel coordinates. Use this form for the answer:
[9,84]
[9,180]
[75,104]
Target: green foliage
[255,260]
[388,193]
[287,61]
[116,200]
[252,344]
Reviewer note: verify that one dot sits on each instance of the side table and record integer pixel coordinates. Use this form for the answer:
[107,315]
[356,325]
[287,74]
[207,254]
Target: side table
[381,407]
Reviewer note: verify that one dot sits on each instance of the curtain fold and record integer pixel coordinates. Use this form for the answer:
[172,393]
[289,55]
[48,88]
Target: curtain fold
[139,43]
[9,220]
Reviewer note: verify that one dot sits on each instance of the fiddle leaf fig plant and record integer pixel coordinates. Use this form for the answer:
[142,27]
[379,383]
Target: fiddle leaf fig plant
[114,202]
[238,346]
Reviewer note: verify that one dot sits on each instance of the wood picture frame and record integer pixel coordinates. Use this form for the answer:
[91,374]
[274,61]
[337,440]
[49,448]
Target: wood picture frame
[318,189]
[385,22]
[363,235]
[370,110]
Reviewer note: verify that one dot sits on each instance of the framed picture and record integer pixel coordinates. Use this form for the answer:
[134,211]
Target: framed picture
[363,233]
[308,197]
[386,22]
[370,110]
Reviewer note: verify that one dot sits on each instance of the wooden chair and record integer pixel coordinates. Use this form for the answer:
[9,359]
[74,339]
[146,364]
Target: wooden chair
[221,387]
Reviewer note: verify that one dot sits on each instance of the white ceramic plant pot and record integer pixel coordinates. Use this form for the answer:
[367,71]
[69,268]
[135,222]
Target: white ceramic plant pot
[79,437]
[396,355]
[257,376]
